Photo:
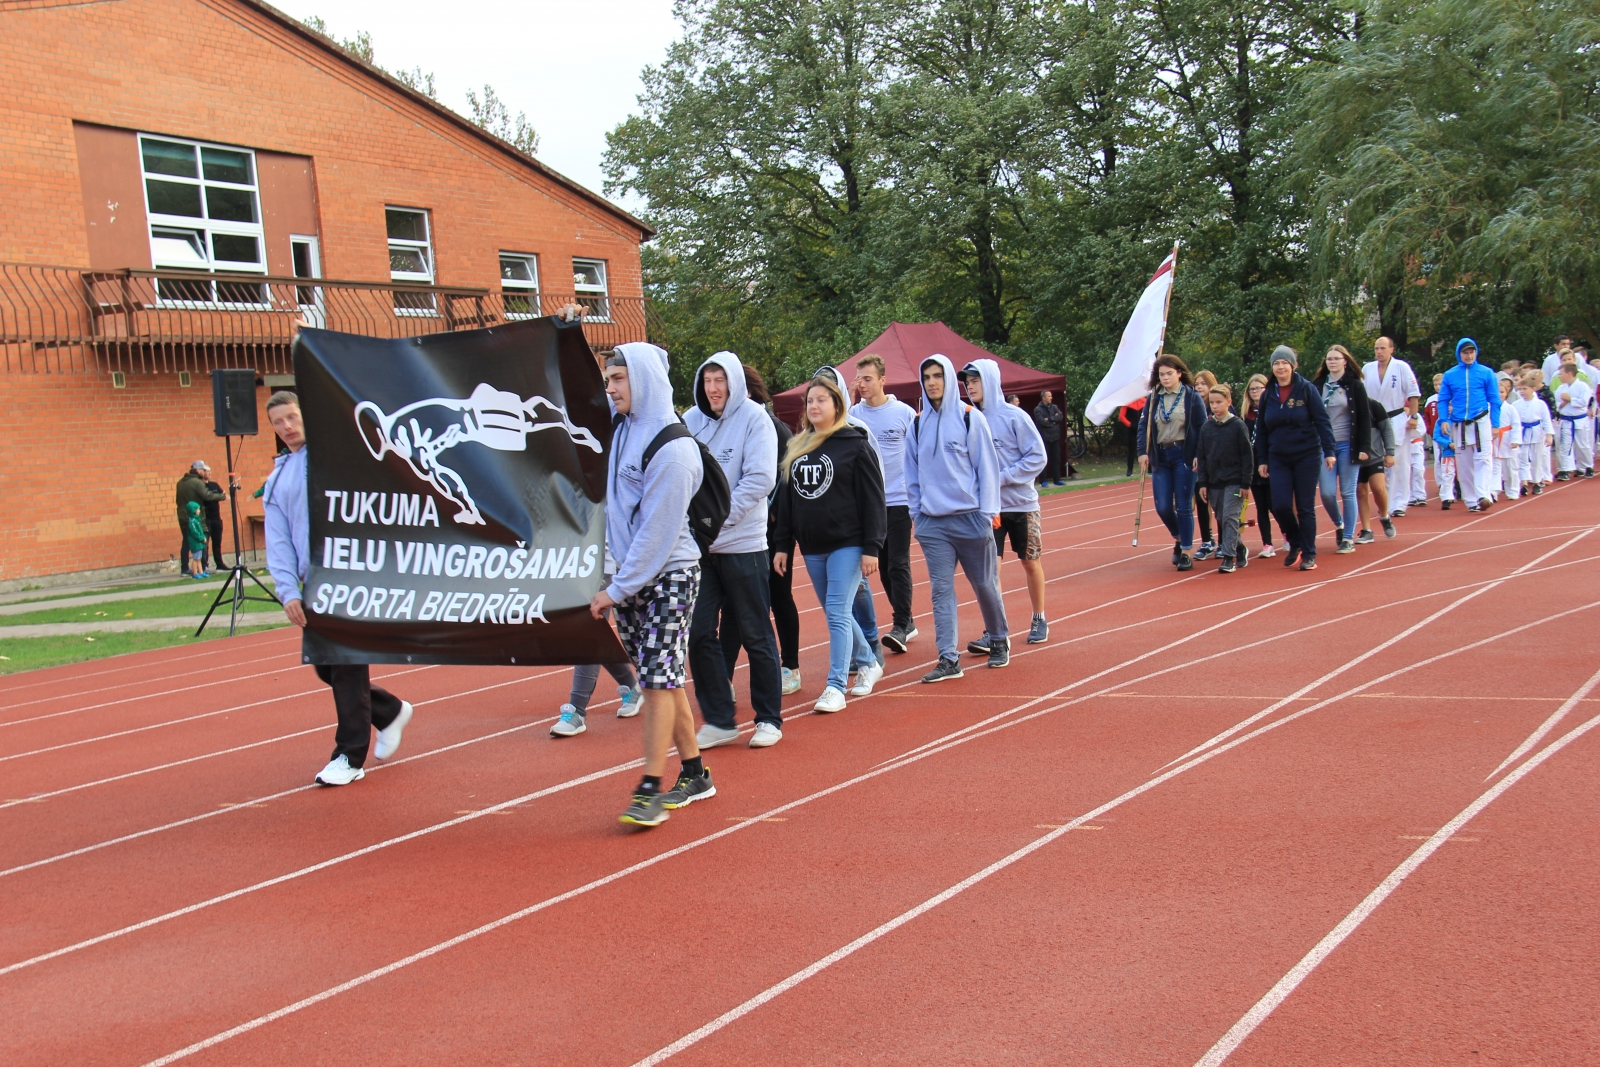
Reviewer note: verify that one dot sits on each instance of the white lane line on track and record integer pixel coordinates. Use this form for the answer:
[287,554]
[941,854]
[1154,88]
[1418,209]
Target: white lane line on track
[758,820]
[275,657]
[186,654]
[1286,985]
[1402,635]
[1546,726]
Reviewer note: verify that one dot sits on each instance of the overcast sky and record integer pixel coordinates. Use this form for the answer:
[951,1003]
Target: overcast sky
[573,67]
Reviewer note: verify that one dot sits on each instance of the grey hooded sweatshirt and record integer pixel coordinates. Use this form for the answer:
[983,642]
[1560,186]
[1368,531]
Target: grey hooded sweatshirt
[746,445]
[647,512]
[951,467]
[1018,447]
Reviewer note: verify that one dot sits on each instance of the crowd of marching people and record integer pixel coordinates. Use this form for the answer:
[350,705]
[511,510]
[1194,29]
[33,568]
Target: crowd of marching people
[708,514]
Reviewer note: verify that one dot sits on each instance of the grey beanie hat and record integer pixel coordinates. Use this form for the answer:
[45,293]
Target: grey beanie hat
[1284,352]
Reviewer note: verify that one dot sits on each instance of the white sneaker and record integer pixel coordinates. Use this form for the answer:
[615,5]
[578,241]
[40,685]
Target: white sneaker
[830,701]
[791,681]
[389,737]
[570,724]
[766,735]
[712,736]
[631,701]
[339,772]
[866,678]
[1267,552]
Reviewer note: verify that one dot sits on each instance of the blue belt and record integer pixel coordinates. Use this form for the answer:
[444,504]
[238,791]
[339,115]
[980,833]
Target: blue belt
[1531,425]
[1573,418]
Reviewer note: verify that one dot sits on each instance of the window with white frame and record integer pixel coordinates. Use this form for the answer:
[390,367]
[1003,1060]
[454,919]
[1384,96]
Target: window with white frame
[519,284]
[589,284]
[410,256]
[205,215]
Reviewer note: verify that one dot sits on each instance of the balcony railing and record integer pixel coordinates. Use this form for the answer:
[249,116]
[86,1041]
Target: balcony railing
[61,320]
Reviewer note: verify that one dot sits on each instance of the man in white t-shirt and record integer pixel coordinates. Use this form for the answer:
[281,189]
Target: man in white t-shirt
[1392,383]
[890,420]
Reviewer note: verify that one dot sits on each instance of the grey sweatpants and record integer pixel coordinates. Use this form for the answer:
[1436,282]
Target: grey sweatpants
[1228,504]
[966,539]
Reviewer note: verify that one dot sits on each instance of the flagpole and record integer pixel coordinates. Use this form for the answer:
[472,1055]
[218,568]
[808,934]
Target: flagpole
[1138,514]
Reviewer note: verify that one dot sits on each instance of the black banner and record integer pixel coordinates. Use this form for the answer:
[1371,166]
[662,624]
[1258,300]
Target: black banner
[457,488]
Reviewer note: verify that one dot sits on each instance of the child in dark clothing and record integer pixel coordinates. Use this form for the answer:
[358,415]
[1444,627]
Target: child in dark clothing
[1223,468]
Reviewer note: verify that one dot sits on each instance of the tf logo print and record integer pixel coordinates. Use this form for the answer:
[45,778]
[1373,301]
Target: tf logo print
[812,475]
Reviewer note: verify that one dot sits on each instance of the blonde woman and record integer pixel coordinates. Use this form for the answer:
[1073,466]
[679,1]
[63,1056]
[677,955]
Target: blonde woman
[831,500]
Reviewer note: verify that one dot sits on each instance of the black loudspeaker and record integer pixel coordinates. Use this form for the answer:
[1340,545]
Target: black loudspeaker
[233,403]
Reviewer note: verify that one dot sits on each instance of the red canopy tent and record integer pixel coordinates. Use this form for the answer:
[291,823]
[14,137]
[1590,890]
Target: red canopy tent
[904,345]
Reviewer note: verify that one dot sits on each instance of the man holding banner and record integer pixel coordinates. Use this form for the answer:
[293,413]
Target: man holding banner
[359,704]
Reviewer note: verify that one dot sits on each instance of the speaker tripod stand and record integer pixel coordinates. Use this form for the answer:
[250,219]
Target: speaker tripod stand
[233,587]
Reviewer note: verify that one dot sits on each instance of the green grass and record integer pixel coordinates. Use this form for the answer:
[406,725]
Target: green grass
[1090,468]
[188,602]
[175,582]
[30,653]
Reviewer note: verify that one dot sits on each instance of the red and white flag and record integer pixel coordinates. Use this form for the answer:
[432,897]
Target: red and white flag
[1129,376]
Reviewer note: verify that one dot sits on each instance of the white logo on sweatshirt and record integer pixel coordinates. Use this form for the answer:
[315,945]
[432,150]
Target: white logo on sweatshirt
[812,475]
[420,433]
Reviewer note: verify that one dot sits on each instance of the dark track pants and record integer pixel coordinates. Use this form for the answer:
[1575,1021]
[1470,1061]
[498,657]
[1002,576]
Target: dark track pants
[361,705]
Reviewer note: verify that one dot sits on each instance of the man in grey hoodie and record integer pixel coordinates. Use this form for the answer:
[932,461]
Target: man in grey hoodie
[733,574]
[953,488]
[658,571]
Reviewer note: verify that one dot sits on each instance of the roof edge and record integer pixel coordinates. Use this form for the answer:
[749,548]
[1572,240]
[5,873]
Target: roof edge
[389,81]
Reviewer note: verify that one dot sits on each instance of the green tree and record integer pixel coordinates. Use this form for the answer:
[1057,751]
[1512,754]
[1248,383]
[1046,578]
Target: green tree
[492,114]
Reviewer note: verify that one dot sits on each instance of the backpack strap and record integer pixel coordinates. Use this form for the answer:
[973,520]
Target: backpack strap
[670,432]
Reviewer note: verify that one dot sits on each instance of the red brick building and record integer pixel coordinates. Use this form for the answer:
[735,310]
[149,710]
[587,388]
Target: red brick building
[176,173]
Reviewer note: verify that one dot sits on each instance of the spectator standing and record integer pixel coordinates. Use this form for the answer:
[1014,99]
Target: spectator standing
[1048,419]
[890,420]
[195,542]
[192,488]
[213,510]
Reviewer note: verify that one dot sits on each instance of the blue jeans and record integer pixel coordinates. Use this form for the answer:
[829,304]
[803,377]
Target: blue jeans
[1294,498]
[1339,490]
[835,577]
[1172,485]
[966,539]
[866,613]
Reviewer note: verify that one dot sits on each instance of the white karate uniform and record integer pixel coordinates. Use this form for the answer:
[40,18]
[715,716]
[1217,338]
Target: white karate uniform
[1474,447]
[1419,462]
[1507,447]
[1574,449]
[1392,388]
[1533,419]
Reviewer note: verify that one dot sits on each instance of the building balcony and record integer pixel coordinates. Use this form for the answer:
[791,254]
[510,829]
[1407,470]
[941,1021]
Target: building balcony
[61,320]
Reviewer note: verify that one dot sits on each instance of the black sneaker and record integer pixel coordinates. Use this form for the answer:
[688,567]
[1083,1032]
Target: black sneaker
[1291,557]
[1538,490]
[1309,563]
[688,790]
[1228,567]
[946,670]
[1244,557]
[980,647]
[1365,536]
[1388,527]
[1474,508]
[645,811]
[1422,503]
[895,640]
[1177,553]
[999,652]
[1185,561]
[1588,472]
[1564,476]
[1444,505]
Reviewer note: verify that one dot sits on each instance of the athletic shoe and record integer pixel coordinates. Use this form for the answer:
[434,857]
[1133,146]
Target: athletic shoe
[1365,536]
[1206,550]
[831,700]
[1228,567]
[1444,505]
[911,634]
[1291,556]
[946,670]
[1267,552]
[632,701]
[1244,557]
[712,736]
[339,772]
[1397,513]
[1000,652]
[791,681]
[1039,631]
[1588,472]
[980,647]
[1561,476]
[866,678]
[1486,502]
[688,790]
[570,724]
[733,694]
[1177,553]
[1538,490]
[388,742]
[1309,564]
[1346,546]
[1474,508]
[1388,527]
[895,640]
[644,811]
[1185,561]
[766,735]
[1060,482]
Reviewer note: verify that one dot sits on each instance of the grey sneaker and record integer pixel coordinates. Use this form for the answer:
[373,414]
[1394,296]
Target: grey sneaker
[1388,527]
[791,681]
[980,647]
[1365,537]
[1346,546]
[712,736]
[1039,632]
[570,724]
[645,811]
[895,640]
[946,670]
[999,651]
[687,791]
[631,701]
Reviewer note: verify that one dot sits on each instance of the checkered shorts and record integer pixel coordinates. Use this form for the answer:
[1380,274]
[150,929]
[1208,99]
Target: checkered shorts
[654,627]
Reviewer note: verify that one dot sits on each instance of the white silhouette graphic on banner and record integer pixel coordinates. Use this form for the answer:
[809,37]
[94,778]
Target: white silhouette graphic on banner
[420,433]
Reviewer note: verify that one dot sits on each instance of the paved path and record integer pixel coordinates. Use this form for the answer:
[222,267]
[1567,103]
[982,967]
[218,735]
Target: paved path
[253,620]
[102,598]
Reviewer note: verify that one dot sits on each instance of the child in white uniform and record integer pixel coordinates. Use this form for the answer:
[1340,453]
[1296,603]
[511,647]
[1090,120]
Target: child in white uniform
[1533,418]
[1507,442]
[1573,452]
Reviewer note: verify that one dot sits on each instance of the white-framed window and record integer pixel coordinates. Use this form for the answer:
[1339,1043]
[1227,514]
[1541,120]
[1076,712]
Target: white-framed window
[589,284]
[204,208]
[519,284]
[410,257]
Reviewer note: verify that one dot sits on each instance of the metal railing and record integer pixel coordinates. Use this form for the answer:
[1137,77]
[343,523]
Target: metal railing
[62,320]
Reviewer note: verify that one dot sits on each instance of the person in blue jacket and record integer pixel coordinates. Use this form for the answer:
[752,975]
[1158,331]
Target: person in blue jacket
[1469,409]
[1169,441]
[1293,435]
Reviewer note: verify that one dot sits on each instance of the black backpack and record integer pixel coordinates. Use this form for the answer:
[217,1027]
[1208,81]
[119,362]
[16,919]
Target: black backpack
[709,507]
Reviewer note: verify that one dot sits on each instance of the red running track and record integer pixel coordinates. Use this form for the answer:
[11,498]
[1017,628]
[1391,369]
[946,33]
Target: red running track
[1260,818]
